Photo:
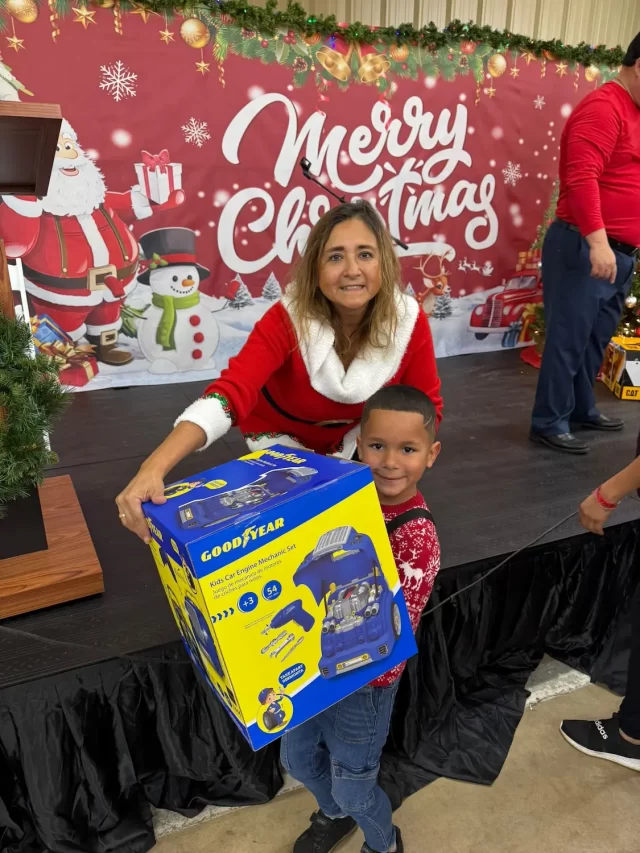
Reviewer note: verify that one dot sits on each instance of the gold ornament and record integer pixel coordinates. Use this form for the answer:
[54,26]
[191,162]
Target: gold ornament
[143,11]
[372,64]
[515,71]
[335,63]
[24,11]
[311,40]
[15,43]
[561,68]
[591,73]
[631,301]
[195,33]
[166,35]
[491,92]
[202,66]
[399,52]
[497,65]
[529,56]
[83,16]
[103,4]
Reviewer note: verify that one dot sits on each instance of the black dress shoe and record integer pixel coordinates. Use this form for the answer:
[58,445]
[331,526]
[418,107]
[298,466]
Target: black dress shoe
[566,443]
[602,422]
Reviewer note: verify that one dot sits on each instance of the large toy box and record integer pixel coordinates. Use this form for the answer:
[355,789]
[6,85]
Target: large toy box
[279,572]
[621,369]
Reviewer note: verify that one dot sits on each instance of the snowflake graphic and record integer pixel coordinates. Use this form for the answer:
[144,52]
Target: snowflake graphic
[118,80]
[511,173]
[196,132]
[539,102]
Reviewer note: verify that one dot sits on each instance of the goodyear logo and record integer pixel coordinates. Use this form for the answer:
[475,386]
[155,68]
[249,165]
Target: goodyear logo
[153,528]
[286,457]
[250,534]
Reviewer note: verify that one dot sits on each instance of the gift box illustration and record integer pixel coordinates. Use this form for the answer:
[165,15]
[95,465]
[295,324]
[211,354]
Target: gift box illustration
[78,365]
[280,575]
[158,176]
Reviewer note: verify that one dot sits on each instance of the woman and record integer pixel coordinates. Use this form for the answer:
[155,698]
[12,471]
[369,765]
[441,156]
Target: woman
[343,330]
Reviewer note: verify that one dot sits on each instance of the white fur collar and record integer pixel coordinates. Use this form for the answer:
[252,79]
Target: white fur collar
[369,371]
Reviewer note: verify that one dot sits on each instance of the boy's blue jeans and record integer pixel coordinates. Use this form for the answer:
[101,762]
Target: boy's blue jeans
[336,755]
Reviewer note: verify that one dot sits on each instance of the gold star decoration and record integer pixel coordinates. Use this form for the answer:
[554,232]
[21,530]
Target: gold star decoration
[15,43]
[144,13]
[561,68]
[528,56]
[491,92]
[83,16]
[514,71]
[202,67]
[166,35]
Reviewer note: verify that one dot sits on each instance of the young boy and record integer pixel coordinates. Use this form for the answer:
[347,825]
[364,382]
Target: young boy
[336,755]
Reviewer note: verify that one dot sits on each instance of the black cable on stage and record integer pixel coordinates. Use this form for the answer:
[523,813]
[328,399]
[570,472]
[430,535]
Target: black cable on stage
[502,564]
[16,632]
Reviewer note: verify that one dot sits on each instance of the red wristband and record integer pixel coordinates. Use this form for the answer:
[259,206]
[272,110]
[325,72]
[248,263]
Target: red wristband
[604,503]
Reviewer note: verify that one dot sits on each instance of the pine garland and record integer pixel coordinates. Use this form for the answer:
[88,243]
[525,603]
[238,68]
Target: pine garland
[268,20]
[31,397]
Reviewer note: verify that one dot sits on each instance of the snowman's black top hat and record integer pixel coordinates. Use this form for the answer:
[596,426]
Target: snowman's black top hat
[169,247]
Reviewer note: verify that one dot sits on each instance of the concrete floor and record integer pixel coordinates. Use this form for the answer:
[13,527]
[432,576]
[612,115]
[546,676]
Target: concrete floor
[548,798]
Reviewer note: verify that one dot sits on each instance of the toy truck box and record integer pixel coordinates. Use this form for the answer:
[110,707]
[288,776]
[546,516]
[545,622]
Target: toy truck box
[279,573]
[621,369]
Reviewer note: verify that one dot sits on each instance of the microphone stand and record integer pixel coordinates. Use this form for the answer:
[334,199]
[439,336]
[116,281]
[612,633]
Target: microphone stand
[305,165]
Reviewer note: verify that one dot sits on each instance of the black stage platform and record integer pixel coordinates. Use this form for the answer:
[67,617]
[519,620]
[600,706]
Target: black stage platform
[88,740]
[491,492]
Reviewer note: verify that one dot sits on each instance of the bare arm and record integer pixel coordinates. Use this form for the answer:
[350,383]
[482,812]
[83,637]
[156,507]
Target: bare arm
[592,514]
[148,484]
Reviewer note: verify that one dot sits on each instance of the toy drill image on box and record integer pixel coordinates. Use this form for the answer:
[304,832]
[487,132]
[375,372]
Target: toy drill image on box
[279,573]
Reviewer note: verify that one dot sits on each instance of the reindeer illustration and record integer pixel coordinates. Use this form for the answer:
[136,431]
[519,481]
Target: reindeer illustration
[435,285]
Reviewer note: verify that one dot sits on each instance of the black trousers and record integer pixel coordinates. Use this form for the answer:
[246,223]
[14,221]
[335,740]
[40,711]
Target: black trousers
[630,709]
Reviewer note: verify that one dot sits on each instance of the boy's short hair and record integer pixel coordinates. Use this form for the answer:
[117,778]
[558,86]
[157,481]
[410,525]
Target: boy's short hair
[633,52]
[403,398]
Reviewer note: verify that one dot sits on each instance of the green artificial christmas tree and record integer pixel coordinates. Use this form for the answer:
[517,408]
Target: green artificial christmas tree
[549,216]
[629,326]
[31,397]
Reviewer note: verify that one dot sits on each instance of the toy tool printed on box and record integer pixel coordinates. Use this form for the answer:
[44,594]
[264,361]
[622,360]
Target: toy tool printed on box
[280,576]
[362,621]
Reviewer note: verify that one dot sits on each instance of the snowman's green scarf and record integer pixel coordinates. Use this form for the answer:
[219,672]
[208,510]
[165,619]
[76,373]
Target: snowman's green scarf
[170,305]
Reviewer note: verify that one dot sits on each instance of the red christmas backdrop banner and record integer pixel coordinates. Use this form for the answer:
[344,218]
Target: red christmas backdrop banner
[177,207]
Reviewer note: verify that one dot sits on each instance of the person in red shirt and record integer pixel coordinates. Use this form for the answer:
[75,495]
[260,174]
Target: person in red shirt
[343,330]
[336,755]
[589,255]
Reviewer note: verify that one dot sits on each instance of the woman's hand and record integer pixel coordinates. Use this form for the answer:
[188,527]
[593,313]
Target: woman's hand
[593,515]
[147,485]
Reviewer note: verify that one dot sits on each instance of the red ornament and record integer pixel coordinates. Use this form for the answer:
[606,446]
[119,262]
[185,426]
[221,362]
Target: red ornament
[198,337]
[468,47]
[264,43]
[291,34]
[194,320]
[450,57]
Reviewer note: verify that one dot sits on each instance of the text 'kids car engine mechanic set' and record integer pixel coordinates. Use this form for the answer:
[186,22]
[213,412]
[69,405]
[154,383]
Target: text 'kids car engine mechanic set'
[280,576]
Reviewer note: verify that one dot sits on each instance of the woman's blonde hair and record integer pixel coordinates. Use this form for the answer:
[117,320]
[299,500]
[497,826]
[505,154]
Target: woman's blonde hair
[307,301]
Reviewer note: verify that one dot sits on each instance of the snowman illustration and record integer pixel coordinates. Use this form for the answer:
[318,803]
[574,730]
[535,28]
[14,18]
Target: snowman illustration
[178,332]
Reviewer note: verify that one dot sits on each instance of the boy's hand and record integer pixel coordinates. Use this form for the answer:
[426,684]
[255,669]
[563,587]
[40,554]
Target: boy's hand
[593,516]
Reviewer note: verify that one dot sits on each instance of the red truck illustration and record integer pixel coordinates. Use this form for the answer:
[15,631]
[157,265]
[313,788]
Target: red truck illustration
[502,311]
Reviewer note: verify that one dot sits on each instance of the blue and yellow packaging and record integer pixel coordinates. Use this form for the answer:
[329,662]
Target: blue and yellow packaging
[279,573]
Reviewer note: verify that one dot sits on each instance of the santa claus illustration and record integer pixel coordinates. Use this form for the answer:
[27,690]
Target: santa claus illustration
[79,257]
